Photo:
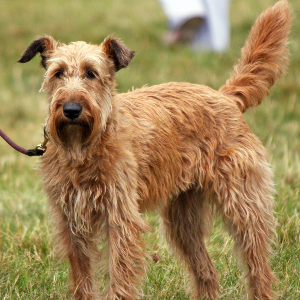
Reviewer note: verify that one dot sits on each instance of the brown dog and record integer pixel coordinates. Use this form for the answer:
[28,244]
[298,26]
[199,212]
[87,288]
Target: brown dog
[178,148]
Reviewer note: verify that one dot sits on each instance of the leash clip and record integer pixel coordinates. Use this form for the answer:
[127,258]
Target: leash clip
[40,149]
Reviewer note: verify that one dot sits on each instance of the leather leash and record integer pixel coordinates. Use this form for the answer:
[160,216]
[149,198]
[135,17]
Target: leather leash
[39,150]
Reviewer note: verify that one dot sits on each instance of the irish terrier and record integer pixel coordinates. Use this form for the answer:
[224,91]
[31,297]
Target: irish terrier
[178,148]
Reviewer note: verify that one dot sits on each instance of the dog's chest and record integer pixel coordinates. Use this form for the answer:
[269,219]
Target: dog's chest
[81,207]
[80,200]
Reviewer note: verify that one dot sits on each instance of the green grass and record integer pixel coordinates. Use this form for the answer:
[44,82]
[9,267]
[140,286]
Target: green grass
[29,269]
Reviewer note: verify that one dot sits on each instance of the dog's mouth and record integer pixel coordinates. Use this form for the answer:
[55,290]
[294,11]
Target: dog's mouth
[73,131]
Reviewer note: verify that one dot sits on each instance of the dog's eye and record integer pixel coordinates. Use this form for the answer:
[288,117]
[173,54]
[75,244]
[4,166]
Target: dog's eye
[59,74]
[91,74]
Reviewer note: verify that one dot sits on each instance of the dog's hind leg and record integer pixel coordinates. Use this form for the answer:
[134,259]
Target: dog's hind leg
[245,191]
[185,220]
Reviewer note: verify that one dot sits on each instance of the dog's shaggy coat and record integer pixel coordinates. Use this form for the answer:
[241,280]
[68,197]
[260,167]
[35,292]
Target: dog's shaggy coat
[178,148]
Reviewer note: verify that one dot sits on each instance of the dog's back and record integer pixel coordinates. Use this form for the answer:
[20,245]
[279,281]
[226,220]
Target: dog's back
[264,58]
[173,117]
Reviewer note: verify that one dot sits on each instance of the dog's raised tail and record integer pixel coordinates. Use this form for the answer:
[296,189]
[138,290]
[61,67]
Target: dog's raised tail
[263,59]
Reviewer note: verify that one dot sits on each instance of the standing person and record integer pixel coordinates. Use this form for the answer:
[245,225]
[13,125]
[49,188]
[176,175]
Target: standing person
[204,24]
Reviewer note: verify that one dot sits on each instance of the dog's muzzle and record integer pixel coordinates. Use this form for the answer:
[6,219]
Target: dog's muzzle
[72,110]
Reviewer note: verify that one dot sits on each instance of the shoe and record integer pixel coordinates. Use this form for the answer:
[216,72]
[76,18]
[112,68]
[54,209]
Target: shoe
[185,34]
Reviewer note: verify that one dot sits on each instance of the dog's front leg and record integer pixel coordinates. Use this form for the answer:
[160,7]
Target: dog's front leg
[126,257]
[79,250]
[81,276]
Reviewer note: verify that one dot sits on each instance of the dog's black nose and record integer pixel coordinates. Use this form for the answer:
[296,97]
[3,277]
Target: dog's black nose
[72,110]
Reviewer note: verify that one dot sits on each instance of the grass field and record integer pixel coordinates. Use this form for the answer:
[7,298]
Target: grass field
[29,269]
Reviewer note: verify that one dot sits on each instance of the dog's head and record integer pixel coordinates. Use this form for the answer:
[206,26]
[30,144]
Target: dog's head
[80,85]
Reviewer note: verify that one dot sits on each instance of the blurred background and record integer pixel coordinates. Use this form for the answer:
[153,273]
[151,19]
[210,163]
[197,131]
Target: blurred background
[29,268]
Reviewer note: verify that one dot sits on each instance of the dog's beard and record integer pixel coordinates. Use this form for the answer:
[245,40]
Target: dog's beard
[73,137]
[73,134]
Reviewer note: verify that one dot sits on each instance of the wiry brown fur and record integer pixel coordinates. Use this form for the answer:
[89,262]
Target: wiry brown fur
[178,148]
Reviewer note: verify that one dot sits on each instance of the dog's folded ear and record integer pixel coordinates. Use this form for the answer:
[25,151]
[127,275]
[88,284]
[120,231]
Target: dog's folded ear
[44,45]
[115,50]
